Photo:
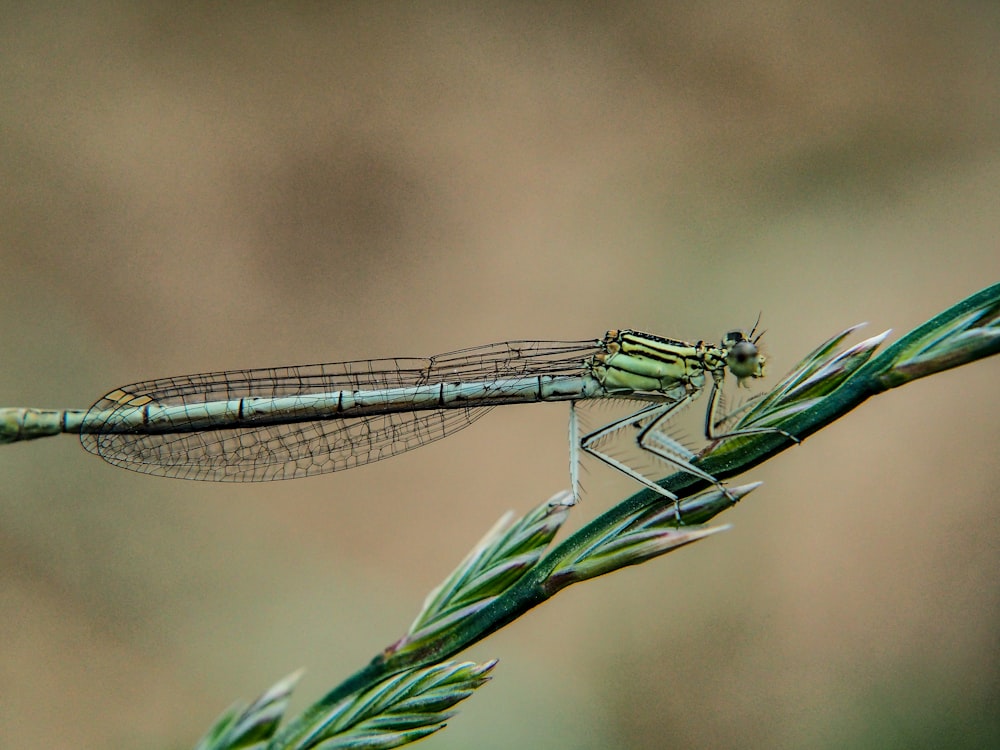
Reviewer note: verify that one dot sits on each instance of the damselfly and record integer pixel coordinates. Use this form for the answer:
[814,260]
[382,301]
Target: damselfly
[285,422]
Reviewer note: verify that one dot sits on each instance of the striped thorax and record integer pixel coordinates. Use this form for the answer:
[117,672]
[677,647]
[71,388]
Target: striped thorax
[637,362]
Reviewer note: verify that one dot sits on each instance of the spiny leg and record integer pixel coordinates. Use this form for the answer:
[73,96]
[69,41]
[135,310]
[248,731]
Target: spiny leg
[671,452]
[576,443]
[574,453]
[656,412]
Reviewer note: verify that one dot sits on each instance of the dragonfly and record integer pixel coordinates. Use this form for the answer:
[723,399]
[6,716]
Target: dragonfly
[286,422]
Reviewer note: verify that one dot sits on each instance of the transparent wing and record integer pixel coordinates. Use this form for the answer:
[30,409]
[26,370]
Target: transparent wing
[306,448]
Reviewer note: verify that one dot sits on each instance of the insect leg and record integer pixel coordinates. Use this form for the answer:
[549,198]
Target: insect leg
[656,412]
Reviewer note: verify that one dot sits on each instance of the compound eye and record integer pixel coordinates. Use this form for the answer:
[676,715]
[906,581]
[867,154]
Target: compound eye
[743,360]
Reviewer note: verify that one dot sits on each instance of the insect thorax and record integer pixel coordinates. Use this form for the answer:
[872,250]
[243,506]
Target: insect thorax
[632,361]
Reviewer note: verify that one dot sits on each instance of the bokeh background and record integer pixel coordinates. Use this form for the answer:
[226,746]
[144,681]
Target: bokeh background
[191,186]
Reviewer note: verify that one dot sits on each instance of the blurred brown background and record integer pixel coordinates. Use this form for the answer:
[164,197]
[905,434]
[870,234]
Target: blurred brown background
[188,188]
